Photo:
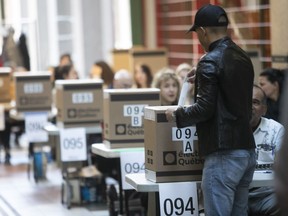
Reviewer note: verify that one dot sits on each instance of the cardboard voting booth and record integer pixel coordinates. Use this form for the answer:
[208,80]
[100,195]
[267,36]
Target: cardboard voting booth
[156,59]
[79,102]
[123,115]
[5,81]
[33,91]
[171,153]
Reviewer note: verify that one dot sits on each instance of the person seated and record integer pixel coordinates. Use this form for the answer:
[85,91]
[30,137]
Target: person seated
[122,79]
[182,70]
[271,81]
[143,76]
[169,84]
[65,59]
[268,135]
[101,70]
[66,72]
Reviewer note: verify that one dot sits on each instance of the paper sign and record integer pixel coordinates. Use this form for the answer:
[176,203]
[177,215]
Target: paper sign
[131,162]
[33,88]
[135,112]
[2,118]
[73,144]
[82,97]
[187,135]
[183,94]
[34,124]
[178,198]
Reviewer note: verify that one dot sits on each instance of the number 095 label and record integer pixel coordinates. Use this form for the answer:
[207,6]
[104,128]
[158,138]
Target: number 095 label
[73,144]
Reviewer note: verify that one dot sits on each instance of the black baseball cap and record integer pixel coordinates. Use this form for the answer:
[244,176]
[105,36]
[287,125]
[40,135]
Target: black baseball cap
[209,15]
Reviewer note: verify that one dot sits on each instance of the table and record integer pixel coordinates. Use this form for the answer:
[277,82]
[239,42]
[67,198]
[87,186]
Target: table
[20,116]
[262,179]
[54,131]
[102,150]
[141,184]
[7,105]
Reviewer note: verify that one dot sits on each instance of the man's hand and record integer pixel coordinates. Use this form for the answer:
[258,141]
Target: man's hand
[170,114]
[191,75]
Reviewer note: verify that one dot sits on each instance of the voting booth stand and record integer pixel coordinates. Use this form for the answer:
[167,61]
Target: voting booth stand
[33,101]
[123,116]
[81,180]
[79,106]
[123,139]
[79,103]
[172,159]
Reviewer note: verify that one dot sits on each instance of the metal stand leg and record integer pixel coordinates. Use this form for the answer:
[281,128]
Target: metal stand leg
[121,210]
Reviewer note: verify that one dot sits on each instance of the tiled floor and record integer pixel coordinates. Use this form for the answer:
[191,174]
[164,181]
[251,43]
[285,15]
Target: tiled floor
[20,196]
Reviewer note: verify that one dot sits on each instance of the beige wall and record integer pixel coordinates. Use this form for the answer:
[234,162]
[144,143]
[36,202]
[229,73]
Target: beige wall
[279,33]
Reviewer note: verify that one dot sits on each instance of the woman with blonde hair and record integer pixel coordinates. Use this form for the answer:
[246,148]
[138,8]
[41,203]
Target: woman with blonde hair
[169,84]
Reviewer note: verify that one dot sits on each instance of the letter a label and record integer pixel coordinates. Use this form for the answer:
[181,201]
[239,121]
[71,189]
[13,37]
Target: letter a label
[188,147]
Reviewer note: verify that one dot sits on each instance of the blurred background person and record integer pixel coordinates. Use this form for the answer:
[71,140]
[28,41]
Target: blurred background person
[143,76]
[5,139]
[66,72]
[271,81]
[169,84]
[268,135]
[101,70]
[16,127]
[122,79]
[182,71]
[65,59]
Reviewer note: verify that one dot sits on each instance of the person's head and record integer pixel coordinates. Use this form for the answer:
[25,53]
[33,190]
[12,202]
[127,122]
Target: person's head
[168,83]
[259,106]
[182,70]
[66,72]
[271,81]
[122,79]
[143,76]
[65,59]
[210,24]
[101,70]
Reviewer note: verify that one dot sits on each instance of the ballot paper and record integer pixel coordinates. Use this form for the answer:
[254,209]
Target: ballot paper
[184,92]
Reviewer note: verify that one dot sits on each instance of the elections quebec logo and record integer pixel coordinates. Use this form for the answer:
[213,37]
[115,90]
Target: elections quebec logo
[169,158]
[120,129]
[72,113]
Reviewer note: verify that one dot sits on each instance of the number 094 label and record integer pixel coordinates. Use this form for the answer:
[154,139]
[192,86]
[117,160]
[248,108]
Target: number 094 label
[178,198]
[131,162]
[135,112]
[187,135]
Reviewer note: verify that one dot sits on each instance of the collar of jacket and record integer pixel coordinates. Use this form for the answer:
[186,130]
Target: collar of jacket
[215,43]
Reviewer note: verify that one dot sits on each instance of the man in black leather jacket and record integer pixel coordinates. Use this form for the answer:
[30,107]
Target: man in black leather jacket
[221,112]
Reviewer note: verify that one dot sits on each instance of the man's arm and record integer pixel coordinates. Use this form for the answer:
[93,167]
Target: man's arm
[279,137]
[206,98]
